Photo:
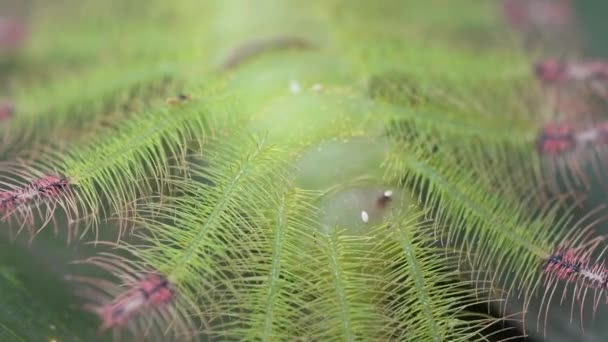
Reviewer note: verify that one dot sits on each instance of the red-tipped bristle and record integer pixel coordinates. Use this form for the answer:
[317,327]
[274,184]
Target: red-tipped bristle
[516,13]
[151,292]
[42,189]
[7,110]
[602,133]
[526,15]
[574,270]
[138,301]
[574,267]
[556,139]
[13,33]
[40,196]
[562,137]
[49,186]
[137,306]
[551,70]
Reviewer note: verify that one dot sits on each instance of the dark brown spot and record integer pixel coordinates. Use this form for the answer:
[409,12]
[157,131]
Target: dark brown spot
[383,200]
[180,98]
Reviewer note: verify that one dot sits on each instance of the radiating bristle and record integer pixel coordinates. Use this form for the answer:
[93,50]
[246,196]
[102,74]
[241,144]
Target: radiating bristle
[152,291]
[574,270]
[141,301]
[22,202]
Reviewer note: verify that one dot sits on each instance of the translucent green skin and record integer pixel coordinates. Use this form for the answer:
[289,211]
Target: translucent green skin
[335,153]
[335,135]
[349,172]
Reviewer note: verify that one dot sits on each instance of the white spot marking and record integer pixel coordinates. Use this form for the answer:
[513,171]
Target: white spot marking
[587,136]
[364,216]
[388,193]
[294,87]
[589,274]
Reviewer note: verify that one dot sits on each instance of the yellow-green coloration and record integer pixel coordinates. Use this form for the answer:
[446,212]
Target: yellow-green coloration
[348,174]
[95,100]
[258,195]
[357,208]
[342,161]
[396,87]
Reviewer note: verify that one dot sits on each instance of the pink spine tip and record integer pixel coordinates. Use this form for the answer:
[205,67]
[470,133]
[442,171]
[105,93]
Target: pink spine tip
[516,13]
[526,15]
[50,185]
[44,188]
[13,33]
[574,267]
[551,71]
[602,133]
[152,291]
[556,139]
[597,69]
[7,110]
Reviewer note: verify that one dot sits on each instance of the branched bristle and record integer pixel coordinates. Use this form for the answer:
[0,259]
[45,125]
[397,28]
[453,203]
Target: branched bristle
[526,239]
[573,157]
[554,71]
[560,138]
[64,108]
[581,268]
[270,156]
[142,303]
[22,202]
[574,267]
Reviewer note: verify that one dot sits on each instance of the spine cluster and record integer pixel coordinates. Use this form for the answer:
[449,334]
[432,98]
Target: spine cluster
[153,291]
[556,139]
[575,267]
[39,190]
[554,71]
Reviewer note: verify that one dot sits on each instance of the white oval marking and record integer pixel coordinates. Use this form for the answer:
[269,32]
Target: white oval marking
[364,216]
